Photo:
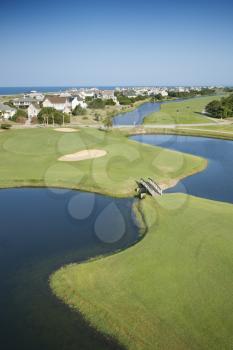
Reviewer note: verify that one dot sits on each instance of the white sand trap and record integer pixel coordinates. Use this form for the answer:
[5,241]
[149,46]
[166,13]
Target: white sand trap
[66,129]
[82,155]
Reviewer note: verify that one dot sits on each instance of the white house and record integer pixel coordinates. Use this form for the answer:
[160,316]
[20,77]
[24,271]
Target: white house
[33,110]
[6,111]
[164,93]
[78,101]
[62,104]
[107,94]
[23,102]
[38,96]
[129,93]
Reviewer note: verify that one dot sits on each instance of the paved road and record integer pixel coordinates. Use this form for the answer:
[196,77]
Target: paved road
[146,126]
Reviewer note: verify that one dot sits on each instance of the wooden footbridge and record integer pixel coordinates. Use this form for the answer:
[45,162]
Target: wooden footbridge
[149,186]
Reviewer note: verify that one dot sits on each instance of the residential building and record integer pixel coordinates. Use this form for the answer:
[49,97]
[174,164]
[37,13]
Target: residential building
[33,110]
[6,111]
[62,104]
[36,95]
[23,102]
[129,93]
[78,101]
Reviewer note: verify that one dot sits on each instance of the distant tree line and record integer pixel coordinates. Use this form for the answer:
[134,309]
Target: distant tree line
[191,93]
[125,100]
[228,89]
[221,108]
[98,103]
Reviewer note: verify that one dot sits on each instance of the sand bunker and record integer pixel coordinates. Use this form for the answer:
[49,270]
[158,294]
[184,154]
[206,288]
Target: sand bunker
[66,129]
[82,155]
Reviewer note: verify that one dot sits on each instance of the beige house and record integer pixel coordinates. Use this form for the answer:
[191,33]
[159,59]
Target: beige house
[62,104]
[33,110]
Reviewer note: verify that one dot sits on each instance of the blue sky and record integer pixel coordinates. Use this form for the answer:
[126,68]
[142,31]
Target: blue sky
[116,42]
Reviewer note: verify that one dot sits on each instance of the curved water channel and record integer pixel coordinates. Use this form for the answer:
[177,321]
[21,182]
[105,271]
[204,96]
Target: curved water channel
[216,181]
[137,116]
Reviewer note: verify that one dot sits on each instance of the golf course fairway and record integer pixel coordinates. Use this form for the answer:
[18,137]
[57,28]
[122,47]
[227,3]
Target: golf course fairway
[31,158]
[173,290]
[184,112]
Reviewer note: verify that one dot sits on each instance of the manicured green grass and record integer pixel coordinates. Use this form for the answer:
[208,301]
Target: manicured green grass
[185,112]
[227,128]
[173,290]
[30,158]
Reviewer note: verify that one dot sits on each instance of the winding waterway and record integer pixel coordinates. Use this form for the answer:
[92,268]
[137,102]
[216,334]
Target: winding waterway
[216,181]
[137,116]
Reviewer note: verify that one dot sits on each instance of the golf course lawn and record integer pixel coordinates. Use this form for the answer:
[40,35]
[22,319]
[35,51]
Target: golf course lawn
[227,127]
[185,112]
[29,157]
[172,290]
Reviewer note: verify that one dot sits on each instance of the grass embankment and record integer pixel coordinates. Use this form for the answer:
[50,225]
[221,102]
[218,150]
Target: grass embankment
[217,128]
[30,158]
[173,290]
[185,112]
[189,131]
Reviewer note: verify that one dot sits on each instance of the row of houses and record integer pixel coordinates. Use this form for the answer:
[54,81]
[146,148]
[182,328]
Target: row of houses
[64,102]
[60,103]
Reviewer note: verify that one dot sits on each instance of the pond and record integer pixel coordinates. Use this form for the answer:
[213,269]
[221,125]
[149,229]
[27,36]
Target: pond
[216,181]
[40,230]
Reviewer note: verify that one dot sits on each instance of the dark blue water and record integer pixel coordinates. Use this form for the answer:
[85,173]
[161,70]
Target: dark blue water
[216,181]
[26,89]
[40,230]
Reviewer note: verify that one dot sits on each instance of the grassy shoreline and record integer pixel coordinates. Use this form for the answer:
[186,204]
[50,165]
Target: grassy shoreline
[130,273]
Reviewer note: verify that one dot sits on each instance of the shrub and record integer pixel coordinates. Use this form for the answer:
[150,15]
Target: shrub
[97,104]
[79,111]
[110,102]
[6,126]
[20,113]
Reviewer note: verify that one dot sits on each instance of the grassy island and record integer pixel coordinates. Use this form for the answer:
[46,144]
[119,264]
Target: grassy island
[173,290]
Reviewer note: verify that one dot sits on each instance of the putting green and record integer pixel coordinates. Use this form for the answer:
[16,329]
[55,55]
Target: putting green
[30,158]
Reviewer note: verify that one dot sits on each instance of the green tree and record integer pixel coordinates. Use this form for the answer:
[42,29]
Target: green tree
[110,102]
[96,104]
[107,122]
[50,115]
[79,111]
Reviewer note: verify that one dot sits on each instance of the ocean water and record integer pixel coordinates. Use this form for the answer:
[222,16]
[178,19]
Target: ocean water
[26,89]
